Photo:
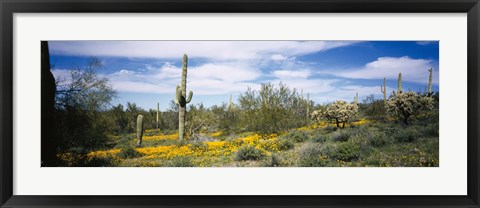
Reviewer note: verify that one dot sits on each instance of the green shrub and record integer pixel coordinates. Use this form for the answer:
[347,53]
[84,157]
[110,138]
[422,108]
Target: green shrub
[198,145]
[273,161]
[341,135]
[377,139]
[431,130]
[320,138]
[347,151]
[129,152]
[311,156]
[296,136]
[329,128]
[180,161]
[248,152]
[284,144]
[407,135]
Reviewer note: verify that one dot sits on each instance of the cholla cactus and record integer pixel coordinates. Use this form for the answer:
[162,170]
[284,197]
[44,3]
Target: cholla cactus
[405,105]
[316,115]
[181,99]
[139,129]
[340,112]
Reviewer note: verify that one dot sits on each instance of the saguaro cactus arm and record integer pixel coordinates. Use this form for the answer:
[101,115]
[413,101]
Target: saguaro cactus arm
[189,98]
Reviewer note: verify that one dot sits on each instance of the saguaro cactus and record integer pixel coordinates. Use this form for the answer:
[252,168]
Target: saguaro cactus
[139,129]
[230,104]
[181,100]
[308,105]
[430,82]
[158,114]
[355,99]
[384,91]
[399,83]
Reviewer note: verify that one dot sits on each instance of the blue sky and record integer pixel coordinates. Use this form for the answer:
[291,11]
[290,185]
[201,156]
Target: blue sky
[147,72]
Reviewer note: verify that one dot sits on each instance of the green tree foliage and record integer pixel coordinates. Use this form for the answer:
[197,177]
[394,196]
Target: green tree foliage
[81,100]
[372,108]
[199,119]
[340,112]
[271,109]
[407,105]
[226,117]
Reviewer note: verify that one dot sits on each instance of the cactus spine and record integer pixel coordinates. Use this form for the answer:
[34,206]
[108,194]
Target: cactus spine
[139,129]
[181,100]
[430,82]
[158,114]
[384,91]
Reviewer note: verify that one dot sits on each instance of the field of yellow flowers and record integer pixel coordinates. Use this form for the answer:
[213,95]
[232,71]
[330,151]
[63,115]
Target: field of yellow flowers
[363,143]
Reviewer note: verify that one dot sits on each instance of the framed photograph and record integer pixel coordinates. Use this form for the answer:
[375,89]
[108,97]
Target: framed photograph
[239,104]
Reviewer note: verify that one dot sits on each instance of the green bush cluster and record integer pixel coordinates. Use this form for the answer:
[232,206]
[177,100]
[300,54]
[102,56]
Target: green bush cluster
[248,152]
[296,136]
[128,152]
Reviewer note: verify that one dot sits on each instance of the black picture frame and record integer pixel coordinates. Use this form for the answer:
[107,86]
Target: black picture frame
[9,7]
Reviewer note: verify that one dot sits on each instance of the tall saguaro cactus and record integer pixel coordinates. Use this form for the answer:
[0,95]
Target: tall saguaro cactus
[308,105]
[181,99]
[158,114]
[399,83]
[139,129]
[384,91]
[430,82]
[355,99]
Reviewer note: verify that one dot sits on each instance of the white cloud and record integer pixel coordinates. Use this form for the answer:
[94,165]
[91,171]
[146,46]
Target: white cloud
[214,50]
[291,74]
[413,70]
[206,79]
[278,57]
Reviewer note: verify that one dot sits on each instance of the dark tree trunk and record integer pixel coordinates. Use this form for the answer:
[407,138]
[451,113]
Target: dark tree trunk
[48,142]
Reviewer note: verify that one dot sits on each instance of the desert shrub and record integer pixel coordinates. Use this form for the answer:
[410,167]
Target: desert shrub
[311,156]
[407,134]
[431,129]
[347,151]
[180,161]
[248,152]
[273,161]
[108,161]
[285,144]
[329,129]
[320,138]
[373,108]
[377,139]
[296,136]
[198,145]
[271,109]
[128,152]
[407,105]
[341,136]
